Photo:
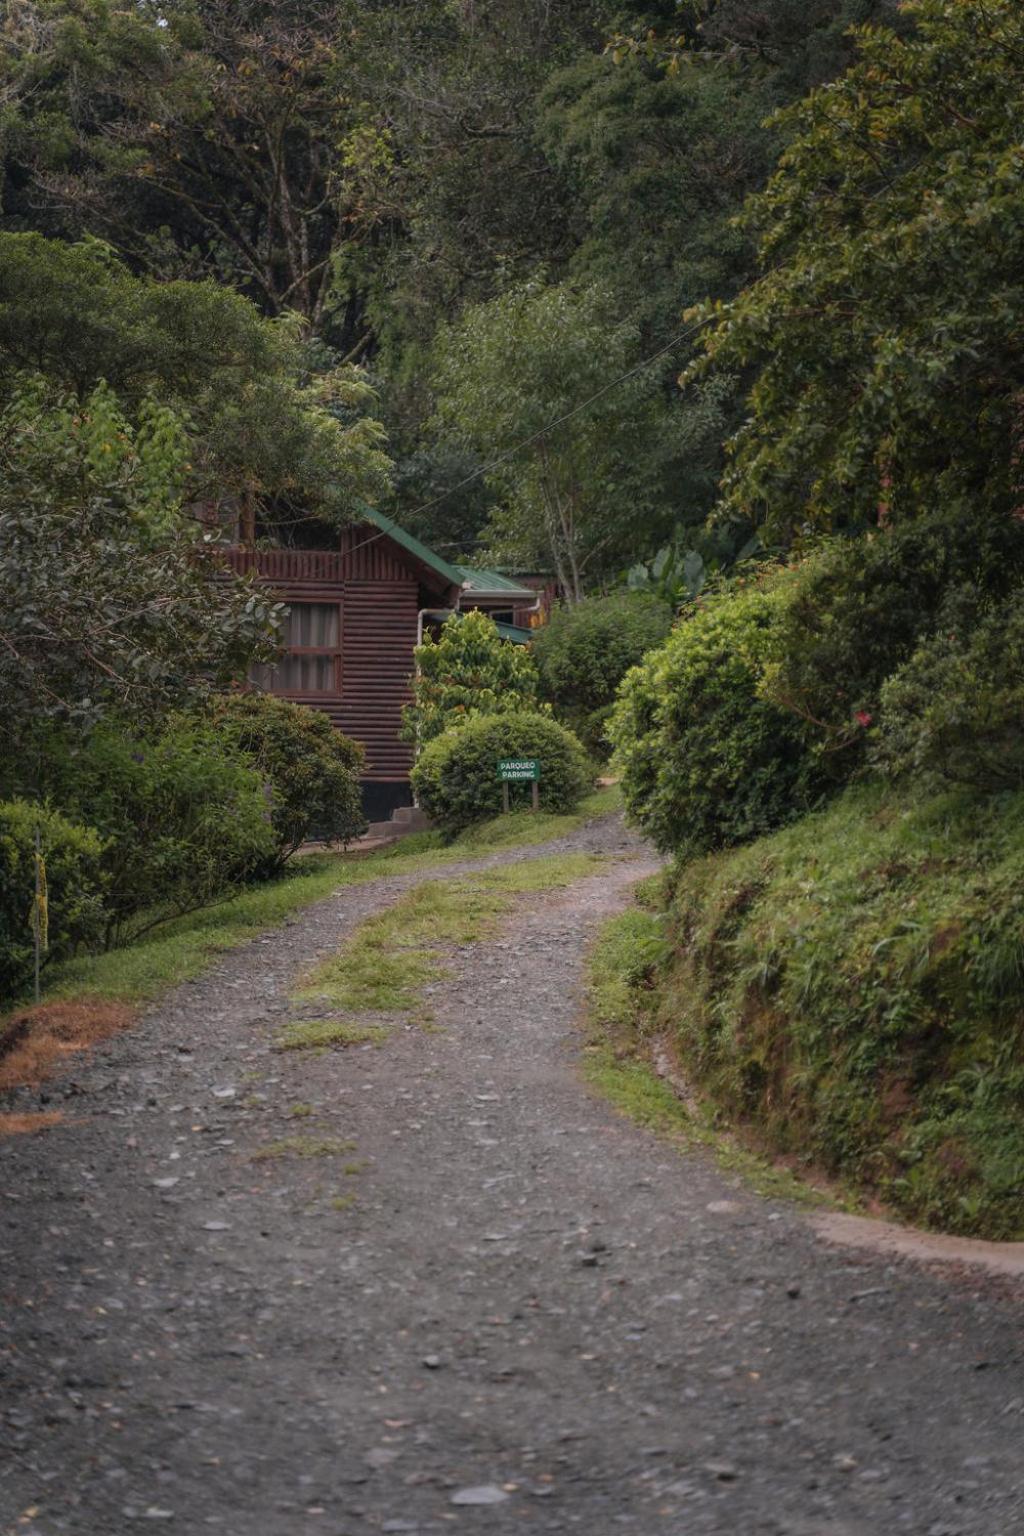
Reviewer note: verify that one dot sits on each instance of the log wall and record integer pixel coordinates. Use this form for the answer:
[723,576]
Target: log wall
[379,598]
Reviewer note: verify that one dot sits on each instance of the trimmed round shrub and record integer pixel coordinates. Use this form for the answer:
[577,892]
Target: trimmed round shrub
[953,713]
[456,776]
[705,760]
[74,888]
[312,769]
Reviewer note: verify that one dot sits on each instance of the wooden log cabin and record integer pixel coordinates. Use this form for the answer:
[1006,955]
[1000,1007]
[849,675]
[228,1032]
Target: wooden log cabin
[356,614]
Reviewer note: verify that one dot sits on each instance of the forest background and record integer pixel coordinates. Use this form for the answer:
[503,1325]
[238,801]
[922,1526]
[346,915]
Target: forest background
[483,204]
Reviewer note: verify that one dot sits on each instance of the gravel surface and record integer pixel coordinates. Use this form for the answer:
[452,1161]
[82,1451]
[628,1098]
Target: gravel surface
[533,1315]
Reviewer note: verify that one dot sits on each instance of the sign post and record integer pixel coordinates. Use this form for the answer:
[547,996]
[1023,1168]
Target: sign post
[519,770]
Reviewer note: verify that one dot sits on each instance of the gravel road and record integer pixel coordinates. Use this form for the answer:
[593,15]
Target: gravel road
[503,1309]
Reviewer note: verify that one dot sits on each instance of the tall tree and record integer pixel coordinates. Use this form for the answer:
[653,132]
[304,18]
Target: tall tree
[261,420]
[537,381]
[200,137]
[885,333]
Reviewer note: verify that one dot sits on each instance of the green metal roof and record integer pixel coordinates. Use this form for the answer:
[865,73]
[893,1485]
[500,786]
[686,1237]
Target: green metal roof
[464,576]
[478,581]
[514,633]
[451,573]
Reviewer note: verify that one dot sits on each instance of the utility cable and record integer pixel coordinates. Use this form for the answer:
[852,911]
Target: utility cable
[534,437]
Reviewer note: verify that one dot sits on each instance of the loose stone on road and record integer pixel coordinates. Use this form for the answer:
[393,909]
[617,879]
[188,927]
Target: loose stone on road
[505,1309]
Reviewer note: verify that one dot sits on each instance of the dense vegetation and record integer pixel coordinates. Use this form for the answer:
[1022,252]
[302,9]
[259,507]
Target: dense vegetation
[851,985]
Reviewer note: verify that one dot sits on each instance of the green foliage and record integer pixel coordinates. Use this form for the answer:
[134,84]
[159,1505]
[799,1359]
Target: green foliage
[571,499]
[261,411]
[856,610]
[104,603]
[160,125]
[183,814]
[74,887]
[312,769]
[469,671]
[456,775]
[584,651]
[851,987]
[953,712]
[705,760]
[884,333]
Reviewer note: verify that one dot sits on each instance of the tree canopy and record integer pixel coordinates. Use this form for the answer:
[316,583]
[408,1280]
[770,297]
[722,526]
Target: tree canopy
[884,333]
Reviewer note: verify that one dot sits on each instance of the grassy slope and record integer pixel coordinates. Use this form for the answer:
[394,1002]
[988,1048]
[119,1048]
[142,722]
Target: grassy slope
[852,987]
[621,1018]
[182,948]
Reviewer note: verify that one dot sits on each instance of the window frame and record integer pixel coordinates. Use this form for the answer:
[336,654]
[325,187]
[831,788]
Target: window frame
[334,651]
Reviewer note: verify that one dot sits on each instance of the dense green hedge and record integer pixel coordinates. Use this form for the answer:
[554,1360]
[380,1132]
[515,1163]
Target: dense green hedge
[311,769]
[456,778]
[852,986]
[585,650]
[954,711]
[858,609]
[182,812]
[705,759]
[74,887]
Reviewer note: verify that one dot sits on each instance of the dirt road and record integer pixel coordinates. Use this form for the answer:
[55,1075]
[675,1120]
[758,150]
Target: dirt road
[501,1308]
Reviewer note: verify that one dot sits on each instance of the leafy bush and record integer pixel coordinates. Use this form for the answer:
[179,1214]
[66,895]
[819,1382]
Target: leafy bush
[584,652]
[183,813]
[87,529]
[312,769]
[74,886]
[851,985]
[954,711]
[456,778]
[705,760]
[856,610]
[469,671]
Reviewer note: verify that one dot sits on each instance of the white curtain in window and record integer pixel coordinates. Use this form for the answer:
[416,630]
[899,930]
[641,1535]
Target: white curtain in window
[309,626]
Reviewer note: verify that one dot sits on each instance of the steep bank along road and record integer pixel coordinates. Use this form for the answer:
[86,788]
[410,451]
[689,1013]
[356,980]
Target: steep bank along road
[535,1316]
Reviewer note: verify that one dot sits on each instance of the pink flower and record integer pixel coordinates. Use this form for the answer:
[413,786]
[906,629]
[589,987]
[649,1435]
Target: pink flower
[863,718]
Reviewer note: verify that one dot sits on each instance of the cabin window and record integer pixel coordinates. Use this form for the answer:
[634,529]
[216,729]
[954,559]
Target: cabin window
[311,662]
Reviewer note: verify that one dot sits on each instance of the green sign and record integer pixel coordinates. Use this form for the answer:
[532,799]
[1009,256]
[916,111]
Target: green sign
[513,770]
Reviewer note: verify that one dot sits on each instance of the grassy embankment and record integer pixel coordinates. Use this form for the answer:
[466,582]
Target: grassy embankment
[849,990]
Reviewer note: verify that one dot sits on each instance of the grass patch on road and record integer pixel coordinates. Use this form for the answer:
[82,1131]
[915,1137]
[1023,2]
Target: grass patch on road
[390,960]
[316,1034]
[622,973]
[302,1146]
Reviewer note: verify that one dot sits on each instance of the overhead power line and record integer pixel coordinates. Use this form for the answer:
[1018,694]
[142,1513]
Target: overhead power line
[486,469]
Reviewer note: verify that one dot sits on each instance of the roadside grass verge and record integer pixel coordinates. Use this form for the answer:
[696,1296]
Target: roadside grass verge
[386,966]
[844,996]
[850,990]
[622,1033]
